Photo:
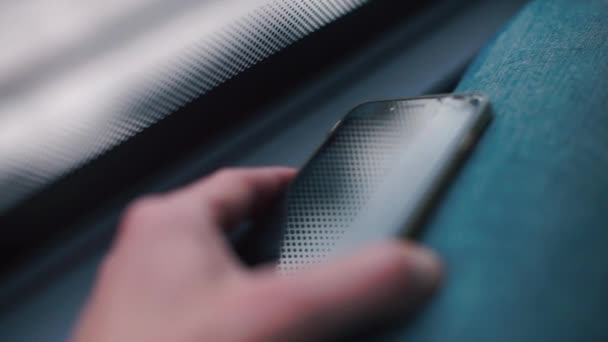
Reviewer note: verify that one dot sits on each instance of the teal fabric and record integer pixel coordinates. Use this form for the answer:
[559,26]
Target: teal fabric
[524,228]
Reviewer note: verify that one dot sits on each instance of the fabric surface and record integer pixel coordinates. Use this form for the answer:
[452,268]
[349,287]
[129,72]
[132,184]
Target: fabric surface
[524,227]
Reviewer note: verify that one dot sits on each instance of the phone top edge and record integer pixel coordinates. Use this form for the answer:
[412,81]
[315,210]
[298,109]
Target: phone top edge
[483,111]
[483,98]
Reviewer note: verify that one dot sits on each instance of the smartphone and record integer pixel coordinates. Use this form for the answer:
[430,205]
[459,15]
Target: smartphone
[374,177]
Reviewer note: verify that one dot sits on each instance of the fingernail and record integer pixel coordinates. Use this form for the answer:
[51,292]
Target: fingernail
[425,267]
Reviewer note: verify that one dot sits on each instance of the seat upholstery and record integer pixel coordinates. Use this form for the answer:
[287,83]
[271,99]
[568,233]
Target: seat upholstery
[524,227]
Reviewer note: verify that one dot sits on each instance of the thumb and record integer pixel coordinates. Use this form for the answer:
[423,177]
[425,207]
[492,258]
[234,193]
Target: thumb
[387,278]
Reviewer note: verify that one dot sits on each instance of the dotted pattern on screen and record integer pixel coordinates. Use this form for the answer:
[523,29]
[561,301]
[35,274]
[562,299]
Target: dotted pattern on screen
[330,193]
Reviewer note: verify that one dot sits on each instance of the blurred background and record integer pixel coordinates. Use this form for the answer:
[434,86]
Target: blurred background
[101,102]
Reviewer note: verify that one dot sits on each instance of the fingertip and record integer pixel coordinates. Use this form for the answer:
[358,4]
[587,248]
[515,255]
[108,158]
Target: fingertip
[425,266]
[286,173]
[382,280]
[412,266]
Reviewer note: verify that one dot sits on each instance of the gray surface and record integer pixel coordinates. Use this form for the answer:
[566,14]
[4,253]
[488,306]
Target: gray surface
[402,67]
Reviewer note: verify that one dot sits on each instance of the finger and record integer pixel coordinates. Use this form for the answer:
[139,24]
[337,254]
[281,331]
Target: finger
[168,233]
[384,279]
[231,196]
[189,219]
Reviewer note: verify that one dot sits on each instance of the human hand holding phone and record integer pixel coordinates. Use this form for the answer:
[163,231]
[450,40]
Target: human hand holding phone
[172,276]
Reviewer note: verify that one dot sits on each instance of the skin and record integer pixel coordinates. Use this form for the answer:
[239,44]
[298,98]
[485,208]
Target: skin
[171,276]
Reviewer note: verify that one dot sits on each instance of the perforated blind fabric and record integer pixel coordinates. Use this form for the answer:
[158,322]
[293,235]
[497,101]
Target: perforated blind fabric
[69,121]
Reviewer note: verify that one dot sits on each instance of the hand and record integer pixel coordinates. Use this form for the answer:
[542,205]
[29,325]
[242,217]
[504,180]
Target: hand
[171,276]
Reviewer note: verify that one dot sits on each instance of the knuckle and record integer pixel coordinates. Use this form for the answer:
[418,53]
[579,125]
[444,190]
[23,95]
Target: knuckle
[278,316]
[216,203]
[232,177]
[139,212]
[108,266]
[141,207]
[385,262]
[225,174]
[393,259]
[222,185]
